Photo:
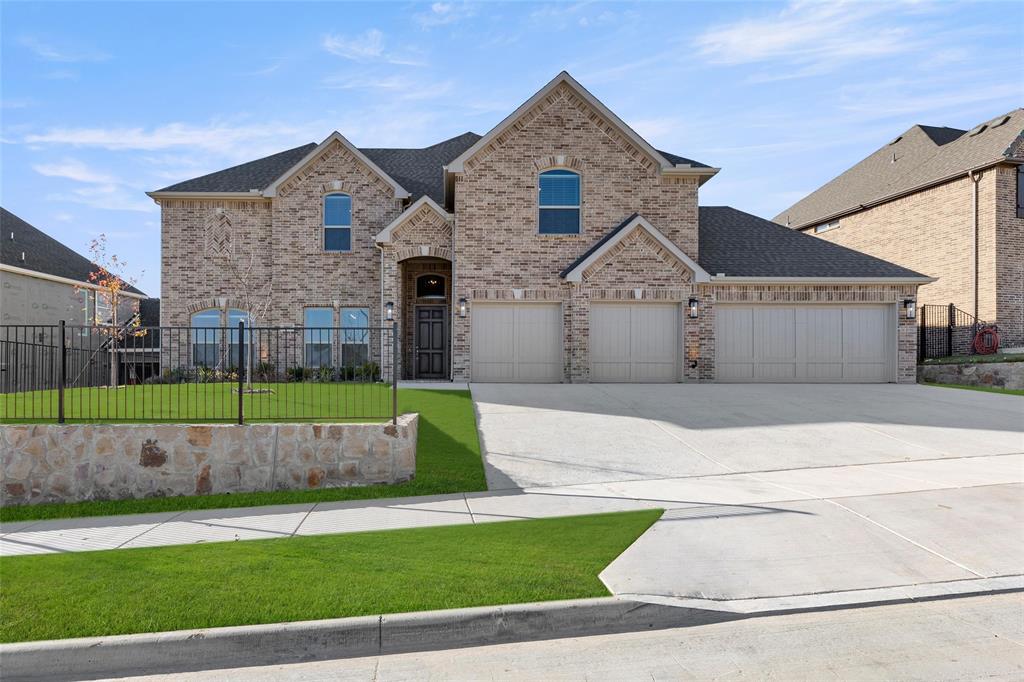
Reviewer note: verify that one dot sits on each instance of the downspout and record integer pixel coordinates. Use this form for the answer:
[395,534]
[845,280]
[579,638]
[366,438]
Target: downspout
[454,301]
[381,249]
[975,179]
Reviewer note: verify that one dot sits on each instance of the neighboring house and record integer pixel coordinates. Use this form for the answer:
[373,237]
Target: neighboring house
[560,246]
[944,201]
[43,282]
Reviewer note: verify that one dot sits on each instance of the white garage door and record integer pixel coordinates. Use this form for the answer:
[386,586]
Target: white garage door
[636,342]
[519,342]
[855,343]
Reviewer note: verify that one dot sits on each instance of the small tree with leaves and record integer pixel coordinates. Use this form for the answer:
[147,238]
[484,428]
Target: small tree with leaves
[109,276]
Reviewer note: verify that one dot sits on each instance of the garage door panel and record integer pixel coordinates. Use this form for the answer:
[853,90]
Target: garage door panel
[514,342]
[775,332]
[636,342]
[805,343]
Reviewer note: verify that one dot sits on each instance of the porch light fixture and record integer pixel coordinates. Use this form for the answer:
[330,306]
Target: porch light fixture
[910,305]
[693,308]
[389,311]
[462,307]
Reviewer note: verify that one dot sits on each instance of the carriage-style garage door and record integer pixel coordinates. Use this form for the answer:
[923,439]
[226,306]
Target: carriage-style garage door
[854,343]
[518,342]
[634,342]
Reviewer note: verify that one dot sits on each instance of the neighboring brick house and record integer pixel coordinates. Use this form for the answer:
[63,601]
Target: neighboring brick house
[944,201]
[560,246]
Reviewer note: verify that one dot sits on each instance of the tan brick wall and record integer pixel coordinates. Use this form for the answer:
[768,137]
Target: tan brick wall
[932,232]
[496,238]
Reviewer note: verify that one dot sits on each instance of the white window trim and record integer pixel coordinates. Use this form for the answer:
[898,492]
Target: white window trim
[578,208]
[826,227]
[324,226]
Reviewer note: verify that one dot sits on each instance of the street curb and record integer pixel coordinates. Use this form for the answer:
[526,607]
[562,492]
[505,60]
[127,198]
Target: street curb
[280,643]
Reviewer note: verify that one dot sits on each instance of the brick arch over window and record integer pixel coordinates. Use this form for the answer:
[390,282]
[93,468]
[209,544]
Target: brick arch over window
[566,161]
[335,187]
[208,303]
[407,252]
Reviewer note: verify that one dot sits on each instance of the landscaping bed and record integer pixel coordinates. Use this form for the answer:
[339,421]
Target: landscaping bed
[307,578]
[974,359]
[448,461]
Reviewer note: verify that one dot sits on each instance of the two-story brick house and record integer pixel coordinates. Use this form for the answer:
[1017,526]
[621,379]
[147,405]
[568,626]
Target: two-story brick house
[560,246]
[946,201]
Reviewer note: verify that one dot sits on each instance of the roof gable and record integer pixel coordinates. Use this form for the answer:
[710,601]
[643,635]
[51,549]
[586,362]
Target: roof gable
[920,157]
[424,204]
[606,118]
[574,271]
[336,137]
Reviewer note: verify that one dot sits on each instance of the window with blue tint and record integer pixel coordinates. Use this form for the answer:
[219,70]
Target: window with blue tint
[337,222]
[319,323]
[559,202]
[355,336]
[234,317]
[205,337]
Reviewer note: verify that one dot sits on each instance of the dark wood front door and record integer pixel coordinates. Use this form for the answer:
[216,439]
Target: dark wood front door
[431,342]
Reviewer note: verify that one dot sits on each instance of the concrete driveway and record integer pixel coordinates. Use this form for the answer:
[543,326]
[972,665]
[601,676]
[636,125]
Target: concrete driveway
[777,496]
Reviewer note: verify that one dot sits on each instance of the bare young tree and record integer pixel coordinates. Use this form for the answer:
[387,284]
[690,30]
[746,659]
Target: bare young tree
[251,288]
[109,276]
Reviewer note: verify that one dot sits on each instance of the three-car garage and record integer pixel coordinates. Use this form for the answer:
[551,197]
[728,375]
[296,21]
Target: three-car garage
[641,342]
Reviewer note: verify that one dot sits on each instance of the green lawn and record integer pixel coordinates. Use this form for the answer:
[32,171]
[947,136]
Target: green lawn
[307,578]
[975,359]
[448,461]
[203,402]
[986,389]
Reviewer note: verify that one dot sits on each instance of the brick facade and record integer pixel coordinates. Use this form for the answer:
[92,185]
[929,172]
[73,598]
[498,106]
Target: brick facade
[489,249]
[932,232]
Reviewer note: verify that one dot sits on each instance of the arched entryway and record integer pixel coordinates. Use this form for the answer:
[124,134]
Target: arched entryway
[426,295]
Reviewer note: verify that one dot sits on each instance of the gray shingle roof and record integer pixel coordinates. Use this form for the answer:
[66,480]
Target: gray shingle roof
[739,244]
[420,170]
[417,170]
[244,177]
[676,159]
[597,245]
[42,252]
[924,155]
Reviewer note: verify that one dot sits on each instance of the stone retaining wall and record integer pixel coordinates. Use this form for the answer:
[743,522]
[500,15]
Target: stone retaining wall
[74,462]
[997,374]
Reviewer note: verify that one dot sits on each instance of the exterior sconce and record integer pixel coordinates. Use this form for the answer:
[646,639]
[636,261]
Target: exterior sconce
[389,311]
[693,308]
[910,305]
[462,307]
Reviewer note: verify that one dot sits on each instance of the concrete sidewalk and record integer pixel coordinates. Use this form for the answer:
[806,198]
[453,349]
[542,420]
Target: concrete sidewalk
[756,541]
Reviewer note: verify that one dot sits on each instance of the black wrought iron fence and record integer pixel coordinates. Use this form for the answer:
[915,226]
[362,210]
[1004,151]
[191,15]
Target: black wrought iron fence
[75,373]
[945,330]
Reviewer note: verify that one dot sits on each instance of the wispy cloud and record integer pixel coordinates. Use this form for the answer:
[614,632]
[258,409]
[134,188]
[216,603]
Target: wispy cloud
[814,37]
[54,53]
[400,87]
[366,47]
[444,13]
[73,169]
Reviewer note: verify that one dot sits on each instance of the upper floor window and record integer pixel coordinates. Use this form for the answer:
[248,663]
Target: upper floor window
[1020,191]
[559,202]
[337,222]
[825,227]
[430,286]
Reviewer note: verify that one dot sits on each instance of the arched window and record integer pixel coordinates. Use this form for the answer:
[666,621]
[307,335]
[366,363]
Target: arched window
[559,202]
[430,286]
[205,337]
[337,222]
[233,318]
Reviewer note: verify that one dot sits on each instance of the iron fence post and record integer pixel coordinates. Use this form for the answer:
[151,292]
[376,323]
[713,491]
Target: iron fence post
[394,371]
[61,374]
[950,318]
[922,342]
[241,364]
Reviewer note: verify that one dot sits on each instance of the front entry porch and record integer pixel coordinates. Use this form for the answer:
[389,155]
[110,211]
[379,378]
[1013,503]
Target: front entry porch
[425,318]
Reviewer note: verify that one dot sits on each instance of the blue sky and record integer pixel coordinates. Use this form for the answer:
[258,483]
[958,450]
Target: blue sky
[101,102]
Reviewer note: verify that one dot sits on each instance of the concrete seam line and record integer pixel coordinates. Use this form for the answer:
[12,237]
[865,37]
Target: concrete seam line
[904,537]
[151,528]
